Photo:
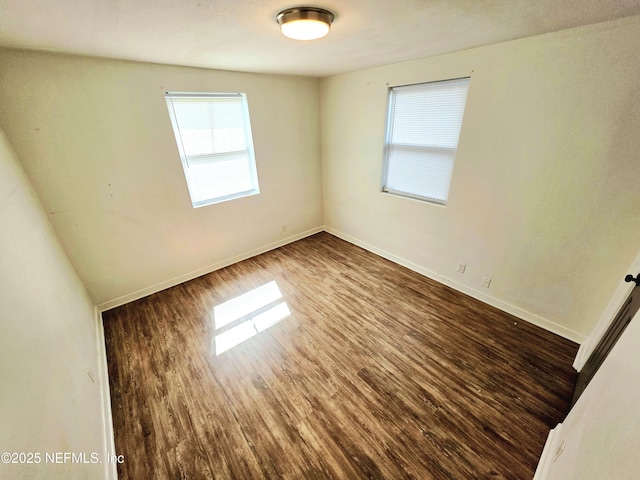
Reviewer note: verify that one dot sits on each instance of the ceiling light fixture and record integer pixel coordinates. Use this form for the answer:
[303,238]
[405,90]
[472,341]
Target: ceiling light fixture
[305,23]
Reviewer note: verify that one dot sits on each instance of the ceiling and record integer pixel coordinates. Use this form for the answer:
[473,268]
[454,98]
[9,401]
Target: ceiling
[243,35]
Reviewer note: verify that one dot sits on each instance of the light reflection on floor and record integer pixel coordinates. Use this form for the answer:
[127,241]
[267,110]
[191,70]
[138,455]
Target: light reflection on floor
[247,315]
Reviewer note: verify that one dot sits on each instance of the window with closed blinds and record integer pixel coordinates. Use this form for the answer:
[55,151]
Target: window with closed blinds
[423,128]
[213,134]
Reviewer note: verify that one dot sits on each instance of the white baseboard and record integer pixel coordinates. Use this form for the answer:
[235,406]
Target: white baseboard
[548,453]
[111,471]
[172,282]
[483,297]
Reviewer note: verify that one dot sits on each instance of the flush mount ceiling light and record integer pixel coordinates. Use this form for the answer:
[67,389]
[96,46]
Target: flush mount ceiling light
[305,23]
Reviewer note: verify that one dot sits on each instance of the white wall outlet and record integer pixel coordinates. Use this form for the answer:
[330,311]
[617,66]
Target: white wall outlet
[461,267]
[486,281]
[284,229]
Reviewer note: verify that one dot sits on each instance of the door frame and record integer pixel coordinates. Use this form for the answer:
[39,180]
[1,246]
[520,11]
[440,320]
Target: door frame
[622,292]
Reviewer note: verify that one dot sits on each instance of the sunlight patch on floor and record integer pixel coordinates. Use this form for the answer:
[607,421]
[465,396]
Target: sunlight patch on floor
[246,315]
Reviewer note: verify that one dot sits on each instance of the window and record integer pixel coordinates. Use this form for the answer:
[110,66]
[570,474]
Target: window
[423,127]
[213,134]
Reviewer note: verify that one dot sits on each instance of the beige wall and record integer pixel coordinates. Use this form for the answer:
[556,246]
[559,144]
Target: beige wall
[48,403]
[95,139]
[544,196]
[543,199]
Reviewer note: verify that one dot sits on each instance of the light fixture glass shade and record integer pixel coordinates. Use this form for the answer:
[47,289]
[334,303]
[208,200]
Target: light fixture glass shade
[305,23]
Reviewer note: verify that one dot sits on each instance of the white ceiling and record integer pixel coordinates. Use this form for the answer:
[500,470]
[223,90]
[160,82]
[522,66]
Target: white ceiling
[243,35]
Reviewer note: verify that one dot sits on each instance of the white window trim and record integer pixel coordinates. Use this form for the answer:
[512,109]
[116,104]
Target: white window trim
[185,159]
[388,144]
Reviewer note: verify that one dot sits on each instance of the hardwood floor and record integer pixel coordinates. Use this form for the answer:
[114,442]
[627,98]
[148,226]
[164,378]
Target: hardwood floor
[377,372]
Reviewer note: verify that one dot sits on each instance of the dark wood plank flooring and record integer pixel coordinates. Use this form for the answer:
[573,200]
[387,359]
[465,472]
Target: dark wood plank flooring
[376,373]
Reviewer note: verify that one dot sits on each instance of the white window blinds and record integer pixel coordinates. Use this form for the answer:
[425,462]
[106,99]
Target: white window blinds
[423,127]
[213,135]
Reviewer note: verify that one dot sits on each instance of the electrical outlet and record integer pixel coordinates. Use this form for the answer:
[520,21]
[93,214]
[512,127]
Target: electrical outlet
[284,229]
[461,267]
[486,281]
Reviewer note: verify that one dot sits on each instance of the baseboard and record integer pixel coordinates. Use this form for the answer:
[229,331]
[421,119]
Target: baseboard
[111,471]
[548,453]
[116,302]
[483,297]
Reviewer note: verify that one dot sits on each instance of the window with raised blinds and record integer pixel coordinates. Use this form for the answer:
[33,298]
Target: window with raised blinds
[213,134]
[423,127]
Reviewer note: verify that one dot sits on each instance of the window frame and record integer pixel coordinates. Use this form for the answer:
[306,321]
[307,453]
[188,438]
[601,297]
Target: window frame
[184,158]
[388,144]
